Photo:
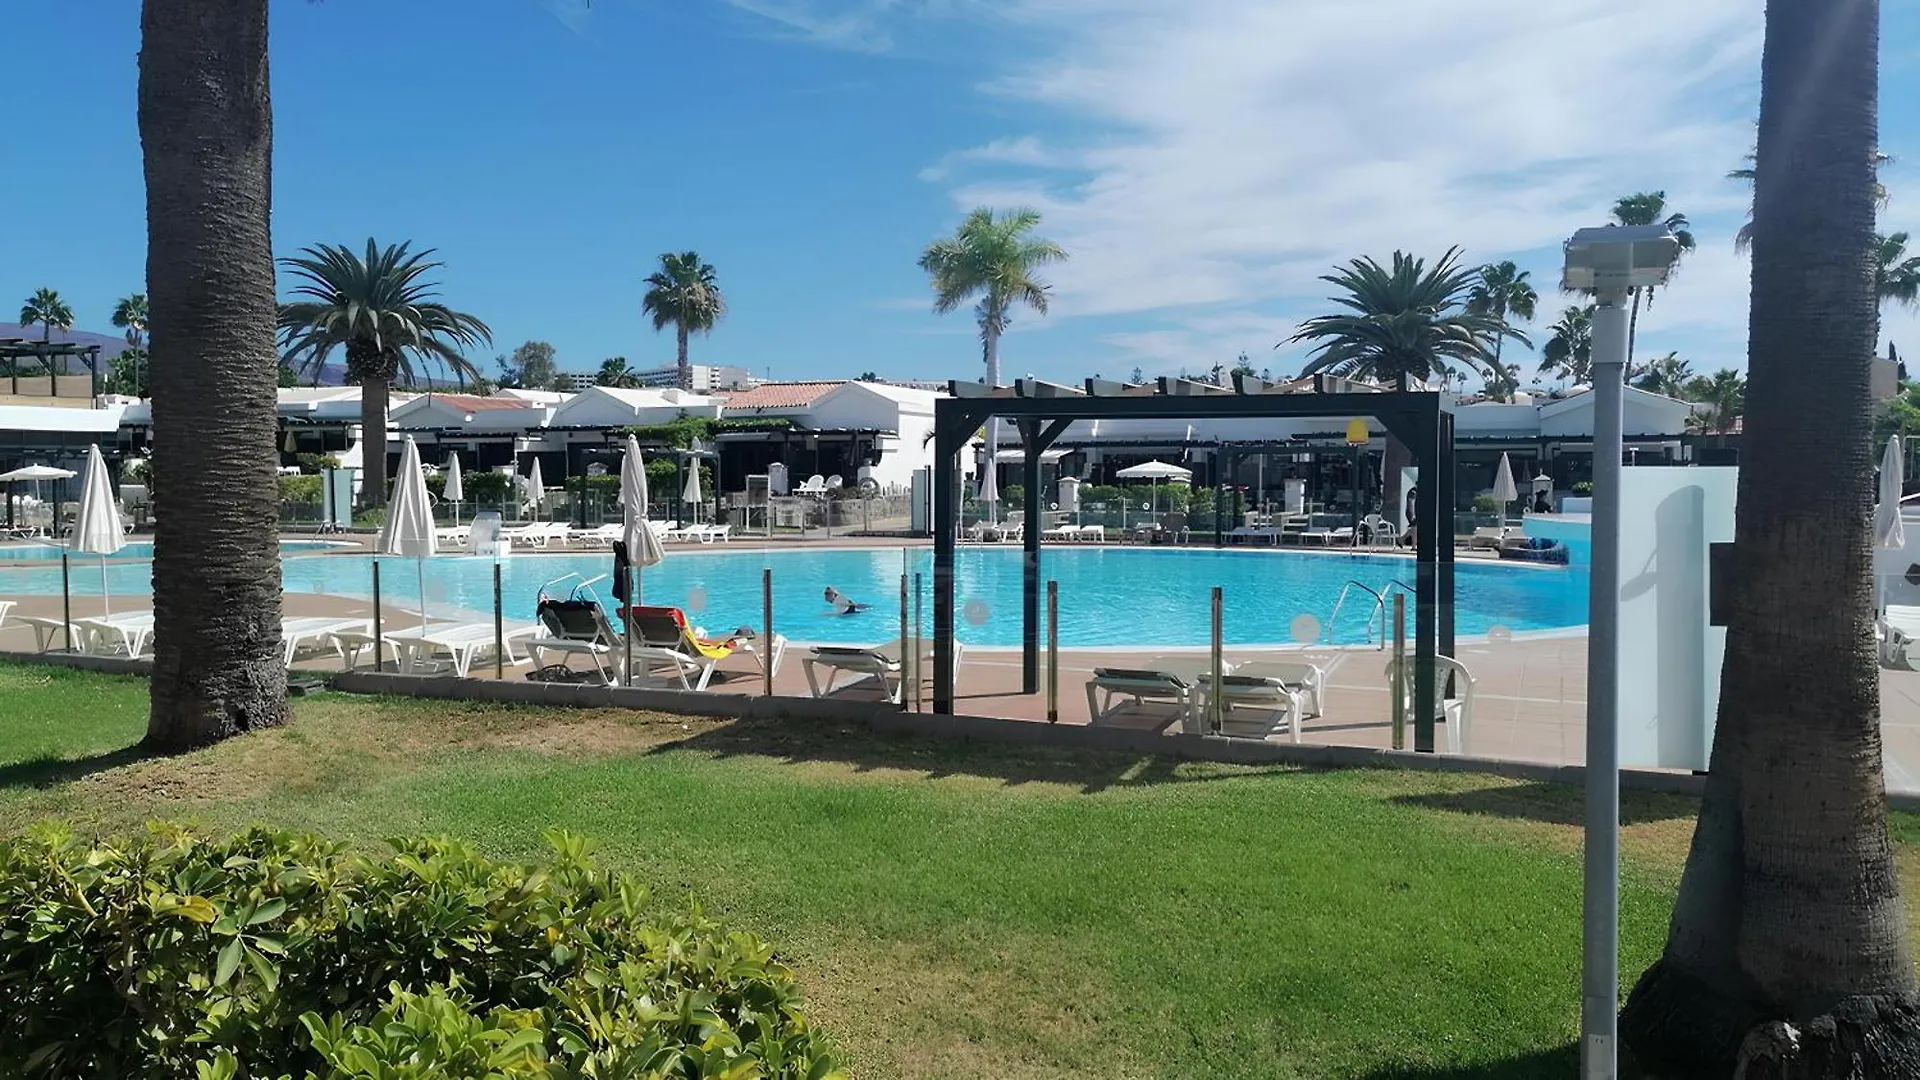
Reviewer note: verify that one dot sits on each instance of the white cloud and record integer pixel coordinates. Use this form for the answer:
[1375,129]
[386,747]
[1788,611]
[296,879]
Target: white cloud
[1217,156]
[855,25]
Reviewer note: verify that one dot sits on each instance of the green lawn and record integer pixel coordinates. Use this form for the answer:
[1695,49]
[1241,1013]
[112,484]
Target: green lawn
[962,911]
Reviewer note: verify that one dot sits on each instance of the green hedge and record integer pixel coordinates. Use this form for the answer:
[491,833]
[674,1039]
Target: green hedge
[276,954]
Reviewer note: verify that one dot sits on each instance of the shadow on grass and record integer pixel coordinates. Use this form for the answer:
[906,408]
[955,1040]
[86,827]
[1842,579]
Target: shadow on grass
[1562,1061]
[47,771]
[1553,804]
[800,741]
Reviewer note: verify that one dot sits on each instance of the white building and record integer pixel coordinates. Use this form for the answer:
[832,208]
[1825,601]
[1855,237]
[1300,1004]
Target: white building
[854,430]
[573,381]
[707,378]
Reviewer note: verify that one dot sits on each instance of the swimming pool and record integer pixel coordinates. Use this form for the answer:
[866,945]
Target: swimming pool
[138,549]
[1109,596]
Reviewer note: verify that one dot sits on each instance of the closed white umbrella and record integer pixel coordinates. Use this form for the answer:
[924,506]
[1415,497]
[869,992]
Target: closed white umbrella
[691,493]
[1888,531]
[1504,489]
[454,492]
[536,488]
[408,530]
[636,536]
[990,488]
[99,530]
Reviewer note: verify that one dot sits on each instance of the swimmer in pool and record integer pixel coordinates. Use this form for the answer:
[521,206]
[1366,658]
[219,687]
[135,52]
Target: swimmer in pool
[841,604]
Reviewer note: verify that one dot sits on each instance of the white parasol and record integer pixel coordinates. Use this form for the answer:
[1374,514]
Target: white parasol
[691,493]
[99,530]
[454,491]
[536,498]
[408,530]
[1888,530]
[1155,471]
[1504,489]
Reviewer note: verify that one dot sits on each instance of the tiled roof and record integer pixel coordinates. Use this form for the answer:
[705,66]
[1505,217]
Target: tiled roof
[793,395]
[473,403]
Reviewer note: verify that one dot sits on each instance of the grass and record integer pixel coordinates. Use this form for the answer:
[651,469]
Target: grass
[960,911]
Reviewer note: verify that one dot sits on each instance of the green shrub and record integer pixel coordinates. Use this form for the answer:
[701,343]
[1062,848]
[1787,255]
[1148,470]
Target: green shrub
[300,489]
[483,486]
[1583,488]
[275,954]
[1485,504]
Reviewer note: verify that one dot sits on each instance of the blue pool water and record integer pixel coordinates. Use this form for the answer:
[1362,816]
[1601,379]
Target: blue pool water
[1108,595]
[139,549]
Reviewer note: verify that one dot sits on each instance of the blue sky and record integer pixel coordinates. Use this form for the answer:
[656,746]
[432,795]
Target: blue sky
[1203,161]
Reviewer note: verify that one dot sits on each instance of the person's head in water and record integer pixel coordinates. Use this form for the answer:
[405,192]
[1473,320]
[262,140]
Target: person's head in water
[832,595]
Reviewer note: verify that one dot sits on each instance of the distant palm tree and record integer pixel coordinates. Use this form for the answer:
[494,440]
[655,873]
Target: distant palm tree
[1569,352]
[1649,208]
[1668,375]
[1402,324]
[383,312]
[1896,275]
[1504,292]
[1720,399]
[46,308]
[615,372]
[997,258]
[684,294]
[130,315]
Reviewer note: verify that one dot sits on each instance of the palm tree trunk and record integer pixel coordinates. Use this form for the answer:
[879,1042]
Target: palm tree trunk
[206,134]
[373,442]
[686,366]
[1789,908]
[1633,329]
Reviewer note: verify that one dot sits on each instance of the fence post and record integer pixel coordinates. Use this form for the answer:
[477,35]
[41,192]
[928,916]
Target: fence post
[1053,652]
[912,662]
[1215,713]
[1398,679]
[499,628]
[766,621]
[66,596]
[376,614]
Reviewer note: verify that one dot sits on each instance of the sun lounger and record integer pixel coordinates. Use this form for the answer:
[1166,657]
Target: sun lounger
[317,630]
[1457,711]
[115,635]
[707,534]
[881,664]
[49,632]
[668,628]
[599,534]
[1899,628]
[1162,680]
[5,607]
[1252,706]
[462,643]
[1487,537]
[580,628]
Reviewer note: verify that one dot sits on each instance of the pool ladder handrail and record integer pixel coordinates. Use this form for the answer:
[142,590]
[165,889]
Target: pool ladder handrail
[1379,607]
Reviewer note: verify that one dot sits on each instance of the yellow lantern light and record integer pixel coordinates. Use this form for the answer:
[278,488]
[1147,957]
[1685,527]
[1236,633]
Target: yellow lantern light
[1357,432]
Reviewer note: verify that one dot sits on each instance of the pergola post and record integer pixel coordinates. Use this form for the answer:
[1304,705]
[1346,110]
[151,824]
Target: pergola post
[1035,439]
[1446,495]
[948,441]
[1426,583]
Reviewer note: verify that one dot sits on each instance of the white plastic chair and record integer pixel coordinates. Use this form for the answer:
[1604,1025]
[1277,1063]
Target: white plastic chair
[1457,710]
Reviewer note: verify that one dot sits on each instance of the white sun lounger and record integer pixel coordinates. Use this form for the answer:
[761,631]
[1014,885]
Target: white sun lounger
[48,632]
[318,630]
[462,643]
[881,663]
[600,534]
[5,607]
[115,635]
[1162,680]
[1254,704]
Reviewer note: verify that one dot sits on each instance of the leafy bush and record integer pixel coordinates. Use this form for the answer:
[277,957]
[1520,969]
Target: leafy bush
[300,489]
[313,463]
[1583,488]
[1485,504]
[275,954]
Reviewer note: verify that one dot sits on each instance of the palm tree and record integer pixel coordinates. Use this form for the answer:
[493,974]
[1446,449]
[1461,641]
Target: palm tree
[130,315]
[46,308]
[1402,324]
[1668,375]
[206,136]
[996,258]
[1649,208]
[1743,239]
[1896,275]
[685,294]
[615,372]
[383,311]
[1789,910]
[1568,354]
[1502,381]
[1721,397]
[1504,292]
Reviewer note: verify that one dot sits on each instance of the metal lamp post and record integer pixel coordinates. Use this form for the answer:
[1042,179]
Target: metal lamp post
[1608,263]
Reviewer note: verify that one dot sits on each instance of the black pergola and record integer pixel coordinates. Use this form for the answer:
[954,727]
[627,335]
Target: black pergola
[13,350]
[1420,421]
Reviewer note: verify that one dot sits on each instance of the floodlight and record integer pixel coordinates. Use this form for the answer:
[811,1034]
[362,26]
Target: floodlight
[1619,257]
